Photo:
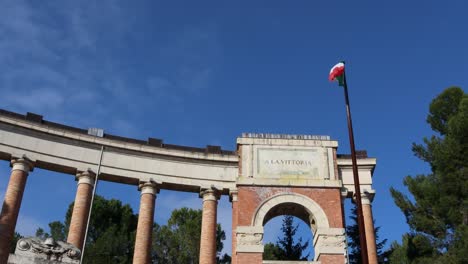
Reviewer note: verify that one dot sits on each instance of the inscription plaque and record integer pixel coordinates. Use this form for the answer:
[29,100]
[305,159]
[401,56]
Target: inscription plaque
[276,163]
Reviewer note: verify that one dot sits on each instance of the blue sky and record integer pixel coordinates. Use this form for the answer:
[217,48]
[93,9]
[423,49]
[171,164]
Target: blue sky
[202,72]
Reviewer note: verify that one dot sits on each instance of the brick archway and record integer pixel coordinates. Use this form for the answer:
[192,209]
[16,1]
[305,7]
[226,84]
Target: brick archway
[312,214]
[320,208]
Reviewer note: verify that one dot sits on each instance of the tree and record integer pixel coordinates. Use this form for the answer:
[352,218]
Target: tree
[437,212]
[352,231]
[286,248]
[271,251]
[16,237]
[179,240]
[111,233]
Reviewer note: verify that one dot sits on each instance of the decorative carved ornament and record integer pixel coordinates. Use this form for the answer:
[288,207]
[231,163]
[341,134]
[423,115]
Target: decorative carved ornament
[249,239]
[48,249]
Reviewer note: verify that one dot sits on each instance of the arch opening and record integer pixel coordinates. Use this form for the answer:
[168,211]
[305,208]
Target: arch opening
[293,209]
[300,232]
[293,204]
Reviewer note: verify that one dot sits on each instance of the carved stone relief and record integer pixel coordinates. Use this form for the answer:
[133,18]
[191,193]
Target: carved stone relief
[249,239]
[49,249]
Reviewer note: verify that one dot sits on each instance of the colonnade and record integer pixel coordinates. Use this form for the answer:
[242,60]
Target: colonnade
[148,191]
[81,209]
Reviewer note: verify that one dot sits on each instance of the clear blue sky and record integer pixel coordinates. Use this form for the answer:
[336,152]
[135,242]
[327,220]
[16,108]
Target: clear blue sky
[201,72]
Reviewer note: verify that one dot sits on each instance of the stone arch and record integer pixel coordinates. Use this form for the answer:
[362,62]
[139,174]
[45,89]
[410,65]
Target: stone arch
[312,213]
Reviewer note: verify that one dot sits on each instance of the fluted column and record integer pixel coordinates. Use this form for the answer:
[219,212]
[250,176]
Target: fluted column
[142,253]
[81,208]
[234,202]
[366,199]
[12,203]
[208,228]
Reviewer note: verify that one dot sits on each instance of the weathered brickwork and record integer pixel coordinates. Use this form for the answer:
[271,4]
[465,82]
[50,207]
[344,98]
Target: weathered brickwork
[235,212]
[332,259]
[251,198]
[208,228]
[250,258]
[370,237]
[329,200]
[142,253]
[81,209]
[11,206]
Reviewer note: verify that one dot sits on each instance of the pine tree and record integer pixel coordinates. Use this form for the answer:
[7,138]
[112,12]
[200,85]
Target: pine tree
[437,212]
[286,248]
[179,240]
[354,250]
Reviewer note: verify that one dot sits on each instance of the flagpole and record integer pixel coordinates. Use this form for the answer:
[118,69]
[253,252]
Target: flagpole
[92,201]
[357,189]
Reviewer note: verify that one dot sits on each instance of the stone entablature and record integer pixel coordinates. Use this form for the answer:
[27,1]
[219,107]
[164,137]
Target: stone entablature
[365,169]
[69,150]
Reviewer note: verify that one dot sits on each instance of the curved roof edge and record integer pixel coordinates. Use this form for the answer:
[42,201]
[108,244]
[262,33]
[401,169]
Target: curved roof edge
[37,122]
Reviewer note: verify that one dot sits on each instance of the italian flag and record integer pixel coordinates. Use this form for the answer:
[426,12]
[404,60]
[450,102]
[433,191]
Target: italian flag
[337,73]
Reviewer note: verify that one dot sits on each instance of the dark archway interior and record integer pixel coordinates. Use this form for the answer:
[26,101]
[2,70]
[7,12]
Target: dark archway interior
[293,209]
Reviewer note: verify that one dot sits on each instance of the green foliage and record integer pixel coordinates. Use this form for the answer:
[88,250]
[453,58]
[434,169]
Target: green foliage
[225,259]
[57,231]
[352,231]
[179,240]
[271,251]
[286,248]
[111,233]
[16,237]
[437,213]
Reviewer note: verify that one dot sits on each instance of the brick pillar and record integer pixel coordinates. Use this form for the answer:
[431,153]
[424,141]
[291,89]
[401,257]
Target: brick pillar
[12,204]
[369,226]
[208,228]
[142,253]
[234,202]
[81,208]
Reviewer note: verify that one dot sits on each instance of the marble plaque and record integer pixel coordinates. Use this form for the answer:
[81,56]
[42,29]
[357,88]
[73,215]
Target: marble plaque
[278,162]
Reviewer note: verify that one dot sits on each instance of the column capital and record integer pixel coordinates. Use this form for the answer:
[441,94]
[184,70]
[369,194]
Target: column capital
[149,187]
[209,194]
[23,164]
[367,196]
[233,195]
[87,177]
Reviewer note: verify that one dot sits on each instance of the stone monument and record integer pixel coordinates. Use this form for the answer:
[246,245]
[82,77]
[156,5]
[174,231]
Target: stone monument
[34,250]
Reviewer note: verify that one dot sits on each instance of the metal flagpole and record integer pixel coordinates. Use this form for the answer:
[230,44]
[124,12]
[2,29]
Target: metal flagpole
[92,201]
[357,189]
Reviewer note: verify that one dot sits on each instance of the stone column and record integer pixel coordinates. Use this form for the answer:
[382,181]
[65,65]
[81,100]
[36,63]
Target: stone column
[12,203]
[208,228]
[81,209]
[142,253]
[366,200]
[233,194]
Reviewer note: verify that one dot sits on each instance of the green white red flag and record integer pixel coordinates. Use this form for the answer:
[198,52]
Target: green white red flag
[337,73]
